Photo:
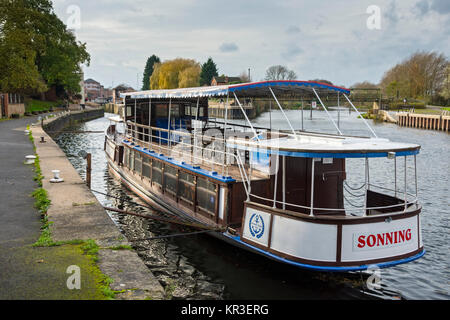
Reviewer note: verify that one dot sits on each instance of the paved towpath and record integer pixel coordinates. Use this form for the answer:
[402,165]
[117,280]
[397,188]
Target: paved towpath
[27,272]
[19,221]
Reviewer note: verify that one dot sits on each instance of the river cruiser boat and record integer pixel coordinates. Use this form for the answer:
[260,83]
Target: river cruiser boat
[283,194]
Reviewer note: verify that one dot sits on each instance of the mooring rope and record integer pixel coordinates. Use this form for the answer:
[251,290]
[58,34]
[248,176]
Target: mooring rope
[129,201]
[174,235]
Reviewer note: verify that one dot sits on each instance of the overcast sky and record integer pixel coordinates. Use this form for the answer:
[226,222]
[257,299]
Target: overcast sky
[324,39]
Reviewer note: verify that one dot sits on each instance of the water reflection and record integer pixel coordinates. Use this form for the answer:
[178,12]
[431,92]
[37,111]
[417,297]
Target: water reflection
[202,267]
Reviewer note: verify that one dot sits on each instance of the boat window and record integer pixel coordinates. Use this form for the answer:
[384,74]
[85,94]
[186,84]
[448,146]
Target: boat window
[131,162]
[175,111]
[157,172]
[186,187]
[161,110]
[206,195]
[157,164]
[138,162]
[170,170]
[146,167]
[126,157]
[187,110]
[170,179]
[206,184]
[186,177]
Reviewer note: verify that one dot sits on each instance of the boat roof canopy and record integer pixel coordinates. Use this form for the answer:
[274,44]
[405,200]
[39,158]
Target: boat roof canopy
[315,145]
[291,88]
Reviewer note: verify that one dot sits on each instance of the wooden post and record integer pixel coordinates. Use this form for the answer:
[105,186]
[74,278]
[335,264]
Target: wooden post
[88,170]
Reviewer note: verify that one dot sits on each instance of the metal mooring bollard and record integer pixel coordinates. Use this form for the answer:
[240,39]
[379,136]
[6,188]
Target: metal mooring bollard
[30,159]
[56,178]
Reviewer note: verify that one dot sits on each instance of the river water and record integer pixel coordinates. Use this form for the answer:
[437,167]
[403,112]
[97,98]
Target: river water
[202,267]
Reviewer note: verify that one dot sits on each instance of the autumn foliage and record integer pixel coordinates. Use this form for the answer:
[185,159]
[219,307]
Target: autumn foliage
[176,73]
[423,75]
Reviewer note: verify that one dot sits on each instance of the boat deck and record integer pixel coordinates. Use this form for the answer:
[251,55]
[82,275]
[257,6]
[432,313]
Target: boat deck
[227,170]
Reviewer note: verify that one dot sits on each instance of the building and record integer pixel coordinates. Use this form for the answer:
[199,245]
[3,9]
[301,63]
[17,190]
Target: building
[11,105]
[92,89]
[122,88]
[218,81]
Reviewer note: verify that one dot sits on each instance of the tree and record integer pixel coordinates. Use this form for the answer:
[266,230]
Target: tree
[279,72]
[422,75]
[244,76]
[365,85]
[176,73]
[38,51]
[445,92]
[189,77]
[148,71]
[209,70]
[323,81]
[18,71]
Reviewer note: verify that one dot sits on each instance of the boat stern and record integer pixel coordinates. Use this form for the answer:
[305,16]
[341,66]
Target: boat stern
[333,243]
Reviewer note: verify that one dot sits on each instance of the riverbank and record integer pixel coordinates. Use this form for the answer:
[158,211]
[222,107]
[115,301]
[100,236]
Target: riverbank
[76,232]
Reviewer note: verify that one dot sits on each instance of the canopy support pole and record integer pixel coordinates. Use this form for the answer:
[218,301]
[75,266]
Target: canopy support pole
[415,175]
[395,177]
[367,182]
[194,143]
[329,116]
[303,128]
[284,182]
[284,114]
[406,195]
[168,124]
[312,187]
[370,128]
[135,116]
[276,181]
[150,133]
[339,111]
[245,115]
[225,137]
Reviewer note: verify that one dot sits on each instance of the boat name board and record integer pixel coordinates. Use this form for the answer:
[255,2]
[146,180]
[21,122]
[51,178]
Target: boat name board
[380,240]
[367,241]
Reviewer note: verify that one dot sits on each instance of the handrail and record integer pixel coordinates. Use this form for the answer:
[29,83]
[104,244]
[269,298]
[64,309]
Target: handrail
[241,168]
[335,209]
[242,171]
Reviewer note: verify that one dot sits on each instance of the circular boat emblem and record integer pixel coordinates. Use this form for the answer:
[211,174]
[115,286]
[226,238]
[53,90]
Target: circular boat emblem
[256,226]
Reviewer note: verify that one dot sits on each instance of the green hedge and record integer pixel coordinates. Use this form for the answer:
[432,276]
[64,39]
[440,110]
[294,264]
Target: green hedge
[399,105]
[38,105]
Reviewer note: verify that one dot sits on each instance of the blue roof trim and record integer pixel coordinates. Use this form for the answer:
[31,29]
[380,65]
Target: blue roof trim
[261,84]
[183,165]
[325,154]
[223,90]
[328,268]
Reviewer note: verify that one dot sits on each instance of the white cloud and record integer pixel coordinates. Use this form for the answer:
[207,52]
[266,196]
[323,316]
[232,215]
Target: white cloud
[326,39]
